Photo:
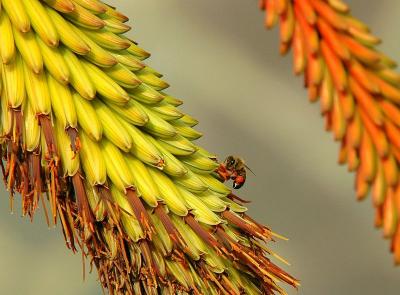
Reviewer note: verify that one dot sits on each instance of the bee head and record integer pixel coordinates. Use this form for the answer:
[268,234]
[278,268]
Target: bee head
[230,162]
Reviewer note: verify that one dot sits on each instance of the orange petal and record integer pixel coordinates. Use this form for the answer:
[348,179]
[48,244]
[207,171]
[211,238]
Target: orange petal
[354,131]
[284,48]
[338,119]
[393,134]
[299,56]
[361,52]
[366,102]
[377,135]
[353,160]
[339,5]
[389,76]
[358,72]
[326,92]
[307,10]
[391,170]
[314,70]
[361,186]
[326,12]
[313,93]
[378,217]
[310,34]
[363,36]
[379,186]
[396,246]
[331,37]
[391,111]
[328,121]
[282,6]
[389,215]
[287,22]
[342,158]
[335,67]
[368,158]
[271,14]
[347,102]
[387,90]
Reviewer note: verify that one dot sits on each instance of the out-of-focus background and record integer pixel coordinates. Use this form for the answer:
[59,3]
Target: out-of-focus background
[226,67]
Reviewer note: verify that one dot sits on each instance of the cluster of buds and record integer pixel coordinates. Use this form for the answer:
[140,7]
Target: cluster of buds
[359,94]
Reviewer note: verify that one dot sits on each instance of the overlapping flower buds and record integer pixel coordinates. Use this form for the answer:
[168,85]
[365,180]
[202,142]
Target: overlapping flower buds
[359,94]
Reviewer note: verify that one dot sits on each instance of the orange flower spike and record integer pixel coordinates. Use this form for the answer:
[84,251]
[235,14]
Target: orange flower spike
[307,10]
[354,131]
[379,186]
[310,35]
[331,37]
[368,158]
[338,119]
[390,168]
[262,4]
[271,14]
[287,22]
[362,53]
[335,67]
[367,102]
[390,215]
[299,58]
[326,12]
[377,135]
[359,96]
[347,102]
[358,72]
[391,111]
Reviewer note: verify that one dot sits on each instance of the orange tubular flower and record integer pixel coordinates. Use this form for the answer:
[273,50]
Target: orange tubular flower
[359,94]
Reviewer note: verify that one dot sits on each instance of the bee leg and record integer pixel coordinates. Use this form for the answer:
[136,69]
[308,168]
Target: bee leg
[223,173]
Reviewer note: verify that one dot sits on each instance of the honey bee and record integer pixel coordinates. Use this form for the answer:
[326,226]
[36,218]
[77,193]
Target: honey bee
[234,168]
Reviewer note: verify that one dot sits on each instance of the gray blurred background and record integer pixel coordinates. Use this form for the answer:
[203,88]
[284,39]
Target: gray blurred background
[225,66]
